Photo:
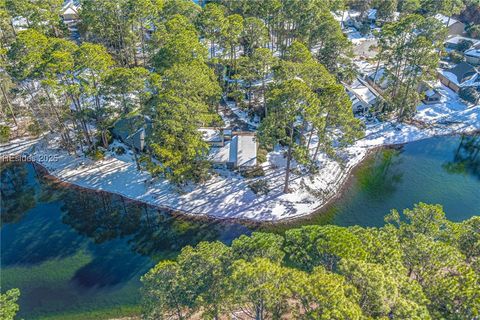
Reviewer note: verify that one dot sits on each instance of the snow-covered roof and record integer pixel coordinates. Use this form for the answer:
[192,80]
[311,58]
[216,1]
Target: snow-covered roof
[430,93]
[473,53]
[362,92]
[379,78]
[70,10]
[458,39]
[463,75]
[241,151]
[211,135]
[220,154]
[246,150]
[372,14]
[444,19]
[75,4]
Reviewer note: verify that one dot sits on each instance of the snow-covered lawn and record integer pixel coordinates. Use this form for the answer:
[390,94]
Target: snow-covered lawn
[450,108]
[227,194]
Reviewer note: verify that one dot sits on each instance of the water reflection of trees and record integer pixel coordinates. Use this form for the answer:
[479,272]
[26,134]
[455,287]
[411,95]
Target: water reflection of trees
[103,217]
[466,159]
[379,176]
[17,194]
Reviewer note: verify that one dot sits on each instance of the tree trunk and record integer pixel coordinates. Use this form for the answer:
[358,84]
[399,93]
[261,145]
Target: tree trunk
[142,34]
[9,105]
[376,71]
[264,100]
[289,158]
[309,140]
[63,128]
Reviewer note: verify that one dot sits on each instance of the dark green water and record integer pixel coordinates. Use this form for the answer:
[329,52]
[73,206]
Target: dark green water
[75,252]
[441,170]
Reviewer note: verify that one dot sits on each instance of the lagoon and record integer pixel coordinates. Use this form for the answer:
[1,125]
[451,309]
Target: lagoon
[77,254]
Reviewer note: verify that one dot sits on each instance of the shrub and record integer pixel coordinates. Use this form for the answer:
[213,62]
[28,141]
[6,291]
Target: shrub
[253,172]
[473,31]
[365,28]
[120,150]
[259,187]
[34,128]
[236,95]
[261,155]
[464,45]
[96,154]
[4,133]
[455,56]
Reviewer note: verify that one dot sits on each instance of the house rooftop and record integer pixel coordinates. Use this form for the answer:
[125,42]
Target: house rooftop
[462,69]
[473,53]
[463,74]
[211,135]
[458,39]
[362,91]
[246,150]
[431,93]
[444,19]
[241,151]
[372,14]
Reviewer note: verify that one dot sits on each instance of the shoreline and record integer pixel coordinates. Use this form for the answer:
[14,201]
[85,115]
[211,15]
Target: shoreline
[337,192]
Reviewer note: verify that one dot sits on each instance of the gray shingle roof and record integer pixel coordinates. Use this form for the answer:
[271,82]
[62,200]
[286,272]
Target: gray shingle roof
[462,71]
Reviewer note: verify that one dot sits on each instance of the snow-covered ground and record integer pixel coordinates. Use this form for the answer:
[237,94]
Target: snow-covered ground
[450,108]
[227,194]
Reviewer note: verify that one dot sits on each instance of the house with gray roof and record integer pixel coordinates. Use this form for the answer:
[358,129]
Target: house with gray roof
[472,56]
[463,75]
[133,130]
[238,152]
[455,27]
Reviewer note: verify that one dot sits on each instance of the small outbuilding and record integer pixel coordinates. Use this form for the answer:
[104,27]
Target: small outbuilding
[70,11]
[432,96]
[455,42]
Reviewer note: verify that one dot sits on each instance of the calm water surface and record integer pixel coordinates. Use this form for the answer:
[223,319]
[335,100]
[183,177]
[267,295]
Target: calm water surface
[72,252]
[444,170]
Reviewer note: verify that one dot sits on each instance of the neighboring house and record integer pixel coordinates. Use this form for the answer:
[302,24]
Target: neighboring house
[362,95]
[239,152]
[19,24]
[70,12]
[353,19]
[472,56]
[455,27]
[463,75]
[453,42]
[432,96]
[378,80]
[372,17]
[133,131]
[70,16]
